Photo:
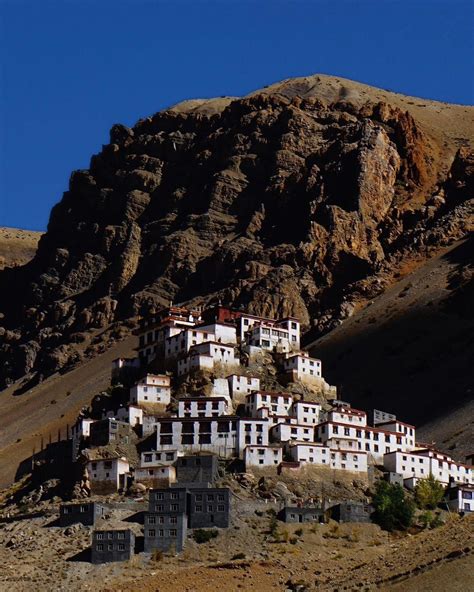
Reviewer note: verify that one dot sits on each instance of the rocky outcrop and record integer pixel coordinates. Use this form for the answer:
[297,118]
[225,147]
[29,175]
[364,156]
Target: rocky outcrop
[281,203]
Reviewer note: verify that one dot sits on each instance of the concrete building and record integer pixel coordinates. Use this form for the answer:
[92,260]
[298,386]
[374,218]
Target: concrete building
[290,328]
[240,386]
[112,545]
[203,407]
[198,468]
[151,389]
[301,368]
[86,513]
[107,475]
[301,515]
[124,369]
[109,431]
[407,432]
[223,332]
[377,416]
[209,508]
[165,532]
[262,456]
[168,501]
[418,464]
[269,337]
[351,511]
[154,458]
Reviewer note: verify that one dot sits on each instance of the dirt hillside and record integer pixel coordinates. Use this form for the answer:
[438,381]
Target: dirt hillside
[17,247]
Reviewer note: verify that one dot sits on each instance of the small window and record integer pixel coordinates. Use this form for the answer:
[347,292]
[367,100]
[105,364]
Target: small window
[100,547]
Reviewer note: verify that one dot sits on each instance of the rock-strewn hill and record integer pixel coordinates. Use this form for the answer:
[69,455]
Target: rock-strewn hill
[17,247]
[301,199]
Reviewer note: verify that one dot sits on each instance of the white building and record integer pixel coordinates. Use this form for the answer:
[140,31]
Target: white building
[253,432]
[79,432]
[420,463]
[269,337]
[347,414]
[155,329]
[240,386]
[153,458]
[107,475]
[407,431]
[208,356]
[156,475]
[202,407]
[217,435]
[306,412]
[283,432]
[460,498]
[262,456]
[290,326]
[315,454]
[276,403]
[223,332]
[151,389]
[301,368]
[375,441]
[120,364]
[182,342]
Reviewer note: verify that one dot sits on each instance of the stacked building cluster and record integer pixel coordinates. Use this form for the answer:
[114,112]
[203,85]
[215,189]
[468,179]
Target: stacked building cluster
[237,418]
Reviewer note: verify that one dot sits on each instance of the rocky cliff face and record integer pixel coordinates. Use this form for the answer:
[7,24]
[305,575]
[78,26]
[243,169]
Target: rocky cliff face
[287,203]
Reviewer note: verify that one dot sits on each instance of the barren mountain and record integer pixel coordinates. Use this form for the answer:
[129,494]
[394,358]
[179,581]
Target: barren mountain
[304,198]
[17,247]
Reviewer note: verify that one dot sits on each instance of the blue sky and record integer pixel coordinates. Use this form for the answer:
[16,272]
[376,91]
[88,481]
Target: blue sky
[70,69]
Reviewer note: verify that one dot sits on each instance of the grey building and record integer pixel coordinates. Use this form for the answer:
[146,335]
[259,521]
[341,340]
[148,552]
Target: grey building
[108,431]
[112,545]
[377,416]
[304,514]
[351,512]
[86,513]
[209,508]
[199,468]
[168,501]
[393,478]
[165,532]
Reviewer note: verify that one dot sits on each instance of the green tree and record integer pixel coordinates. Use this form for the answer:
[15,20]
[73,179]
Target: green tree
[393,510]
[428,493]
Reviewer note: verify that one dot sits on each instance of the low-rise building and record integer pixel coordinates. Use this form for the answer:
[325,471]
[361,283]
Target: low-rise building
[351,511]
[300,367]
[419,464]
[155,475]
[208,356]
[333,458]
[217,435]
[165,532]
[151,389]
[460,498]
[153,458]
[262,456]
[202,406]
[377,416]
[108,431]
[306,412]
[209,508]
[86,513]
[80,433]
[276,402]
[301,514]
[283,432]
[251,431]
[107,475]
[197,468]
[112,545]
[124,368]
[240,386]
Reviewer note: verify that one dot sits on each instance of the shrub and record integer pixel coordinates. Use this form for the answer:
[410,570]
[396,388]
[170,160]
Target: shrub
[238,556]
[393,510]
[157,555]
[428,493]
[203,536]
[430,520]
[299,532]
[273,525]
